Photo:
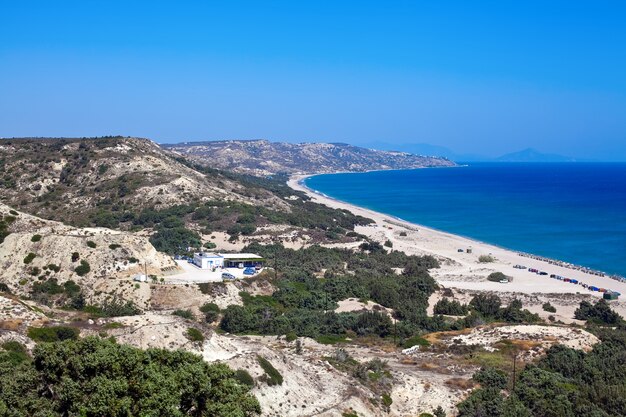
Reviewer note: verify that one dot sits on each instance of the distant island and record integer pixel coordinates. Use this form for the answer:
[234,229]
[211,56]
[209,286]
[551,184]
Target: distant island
[533,155]
[525,155]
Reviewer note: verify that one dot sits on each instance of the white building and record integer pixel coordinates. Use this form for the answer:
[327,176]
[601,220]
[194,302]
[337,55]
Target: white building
[206,260]
[140,278]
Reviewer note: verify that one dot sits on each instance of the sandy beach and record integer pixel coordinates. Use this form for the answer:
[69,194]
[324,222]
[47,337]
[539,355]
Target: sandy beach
[462,270]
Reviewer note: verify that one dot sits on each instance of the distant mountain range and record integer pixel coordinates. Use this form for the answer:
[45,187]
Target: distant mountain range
[526,155]
[262,157]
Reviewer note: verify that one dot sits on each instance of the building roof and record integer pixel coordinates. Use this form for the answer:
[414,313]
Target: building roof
[240,256]
[208,255]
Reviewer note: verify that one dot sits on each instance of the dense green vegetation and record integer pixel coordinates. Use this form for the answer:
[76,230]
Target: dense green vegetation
[53,334]
[566,382]
[599,313]
[450,307]
[304,301]
[96,377]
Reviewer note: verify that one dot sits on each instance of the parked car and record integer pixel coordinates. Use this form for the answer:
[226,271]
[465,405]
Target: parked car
[519,266]
[249,271]
[227,276]
[504,281]
[543,273]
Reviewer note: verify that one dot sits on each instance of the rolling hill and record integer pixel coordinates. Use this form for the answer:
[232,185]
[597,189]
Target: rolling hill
[71,180]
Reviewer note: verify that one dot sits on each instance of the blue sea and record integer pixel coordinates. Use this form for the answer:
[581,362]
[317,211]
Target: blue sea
[574,212]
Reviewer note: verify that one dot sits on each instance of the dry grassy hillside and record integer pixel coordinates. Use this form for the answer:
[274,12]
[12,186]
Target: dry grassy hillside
[71,179]
[37,255]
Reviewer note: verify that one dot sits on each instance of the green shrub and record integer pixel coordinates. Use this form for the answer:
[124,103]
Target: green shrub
[75,256]
[113,325]
[91,244]
[211,312]
[50,286]
[548,307]
[195,335]
[244,377]
[114,246]
[113,308]
[439,412]
[388,243]
[186,314]
[272,376]
[54,267]
[29,258]
[484,259]
[35,238]
[83,268]
[13,212]
[53,334]
[14,353]
[497,277]
[415,341]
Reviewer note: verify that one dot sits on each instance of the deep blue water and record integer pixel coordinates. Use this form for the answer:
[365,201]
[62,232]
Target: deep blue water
[575,212]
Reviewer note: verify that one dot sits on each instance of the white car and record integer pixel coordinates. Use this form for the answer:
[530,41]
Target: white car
[228,276]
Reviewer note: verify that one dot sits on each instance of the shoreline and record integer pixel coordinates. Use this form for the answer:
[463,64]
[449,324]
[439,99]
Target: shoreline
[461,269]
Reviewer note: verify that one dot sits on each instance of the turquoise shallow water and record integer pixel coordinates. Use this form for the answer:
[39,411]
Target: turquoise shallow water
[574,212]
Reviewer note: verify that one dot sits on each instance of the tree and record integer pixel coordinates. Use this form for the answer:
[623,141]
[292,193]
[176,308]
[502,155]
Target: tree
[491,378]
[600,312]
[96,377]
[486,304]
[450,307]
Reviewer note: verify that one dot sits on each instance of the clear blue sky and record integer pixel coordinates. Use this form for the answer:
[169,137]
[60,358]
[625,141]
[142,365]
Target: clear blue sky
[476,76]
